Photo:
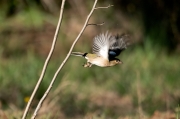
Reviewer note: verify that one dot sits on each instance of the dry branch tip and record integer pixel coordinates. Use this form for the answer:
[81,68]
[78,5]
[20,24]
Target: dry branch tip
[104,7]
[100,24]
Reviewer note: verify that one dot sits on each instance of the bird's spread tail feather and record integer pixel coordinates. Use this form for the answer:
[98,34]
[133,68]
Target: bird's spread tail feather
[79,54]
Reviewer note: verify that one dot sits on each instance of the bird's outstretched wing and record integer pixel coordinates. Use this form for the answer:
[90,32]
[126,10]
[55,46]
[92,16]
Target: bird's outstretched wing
[118,44]
[101,45]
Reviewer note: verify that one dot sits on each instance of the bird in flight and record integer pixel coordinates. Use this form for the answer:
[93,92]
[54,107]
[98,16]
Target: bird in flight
[106,48]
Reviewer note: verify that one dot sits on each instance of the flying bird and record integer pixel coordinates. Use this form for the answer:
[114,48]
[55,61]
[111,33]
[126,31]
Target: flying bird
[106,48]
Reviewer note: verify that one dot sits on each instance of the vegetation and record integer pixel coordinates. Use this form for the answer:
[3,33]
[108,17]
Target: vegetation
[146,85]
[147,79]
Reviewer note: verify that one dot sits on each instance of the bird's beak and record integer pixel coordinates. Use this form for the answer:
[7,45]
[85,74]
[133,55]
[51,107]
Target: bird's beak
[120,62]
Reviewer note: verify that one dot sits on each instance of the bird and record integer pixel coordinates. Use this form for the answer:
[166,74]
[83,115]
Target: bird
[105,49]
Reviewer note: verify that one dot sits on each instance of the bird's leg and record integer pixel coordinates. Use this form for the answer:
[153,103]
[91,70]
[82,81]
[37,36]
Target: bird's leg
[88,64]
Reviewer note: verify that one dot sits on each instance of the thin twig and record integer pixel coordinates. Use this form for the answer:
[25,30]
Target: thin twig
[46,62]
[62,64]
[96,24]
[104,7]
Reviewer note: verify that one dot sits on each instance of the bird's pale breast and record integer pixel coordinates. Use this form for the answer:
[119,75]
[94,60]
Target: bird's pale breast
[99,61]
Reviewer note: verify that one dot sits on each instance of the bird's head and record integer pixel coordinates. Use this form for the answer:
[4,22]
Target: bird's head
[115,62]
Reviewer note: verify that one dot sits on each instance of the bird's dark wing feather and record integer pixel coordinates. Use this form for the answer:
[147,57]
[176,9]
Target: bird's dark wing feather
[118,44]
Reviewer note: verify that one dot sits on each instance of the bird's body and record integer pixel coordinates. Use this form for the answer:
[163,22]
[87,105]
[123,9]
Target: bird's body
[97,60]
[105,49]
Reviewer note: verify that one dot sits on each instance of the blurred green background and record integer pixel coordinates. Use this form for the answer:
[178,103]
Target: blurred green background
[146,85]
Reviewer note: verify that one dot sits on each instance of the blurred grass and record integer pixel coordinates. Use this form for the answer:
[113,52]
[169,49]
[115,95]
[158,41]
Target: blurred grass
[151,72]
[148,79]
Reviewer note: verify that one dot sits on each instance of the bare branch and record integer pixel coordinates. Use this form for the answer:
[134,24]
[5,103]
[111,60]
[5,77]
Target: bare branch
[104,7]
[62,64]
[46,62]
[97,24]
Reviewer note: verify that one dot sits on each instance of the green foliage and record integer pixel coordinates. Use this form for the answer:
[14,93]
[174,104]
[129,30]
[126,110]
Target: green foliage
[147,79]
[155,74]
